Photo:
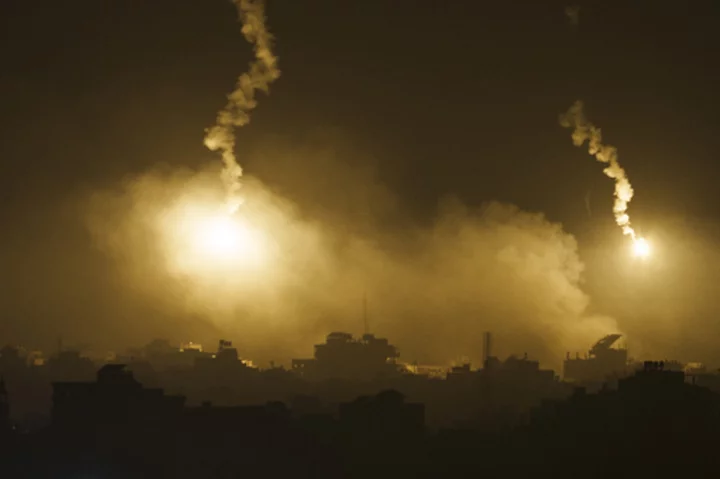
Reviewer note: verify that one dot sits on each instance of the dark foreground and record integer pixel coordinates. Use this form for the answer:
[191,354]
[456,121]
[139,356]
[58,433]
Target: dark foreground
[652,423]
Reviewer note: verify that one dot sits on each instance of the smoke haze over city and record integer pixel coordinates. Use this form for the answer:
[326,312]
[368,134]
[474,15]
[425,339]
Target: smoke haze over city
[437,286]
[410,156]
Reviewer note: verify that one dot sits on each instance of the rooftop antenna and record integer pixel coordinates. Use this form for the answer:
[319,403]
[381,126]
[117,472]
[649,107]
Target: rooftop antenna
[487,348]
[366,326]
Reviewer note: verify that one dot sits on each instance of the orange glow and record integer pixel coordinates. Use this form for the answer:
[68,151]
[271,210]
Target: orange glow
[226,238]
[641,248]
[203,239]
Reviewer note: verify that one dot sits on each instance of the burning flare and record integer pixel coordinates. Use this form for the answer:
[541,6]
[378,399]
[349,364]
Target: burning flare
[224,237]
[584,131]
[641,248]
[263,71]
[204,241]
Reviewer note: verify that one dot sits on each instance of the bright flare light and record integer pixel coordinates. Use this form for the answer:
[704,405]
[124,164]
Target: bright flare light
[209,241]
[223,240]
[224,237]
[641,248]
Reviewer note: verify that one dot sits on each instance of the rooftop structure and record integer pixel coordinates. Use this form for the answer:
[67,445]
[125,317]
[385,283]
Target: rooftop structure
[342,356]
[601,362]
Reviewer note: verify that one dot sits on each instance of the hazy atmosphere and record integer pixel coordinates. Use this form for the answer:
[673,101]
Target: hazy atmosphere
[412,157]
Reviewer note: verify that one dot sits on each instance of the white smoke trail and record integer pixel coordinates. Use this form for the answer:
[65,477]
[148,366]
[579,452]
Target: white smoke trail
[263,71]
[586,131]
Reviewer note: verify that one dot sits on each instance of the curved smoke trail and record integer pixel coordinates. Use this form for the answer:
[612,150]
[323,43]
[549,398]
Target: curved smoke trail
[584,131]
[263,71]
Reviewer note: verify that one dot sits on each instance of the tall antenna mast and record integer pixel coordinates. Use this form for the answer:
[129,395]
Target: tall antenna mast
[366,327]
[487,348]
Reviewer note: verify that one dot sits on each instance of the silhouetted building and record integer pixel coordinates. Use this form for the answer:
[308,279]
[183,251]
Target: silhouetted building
[426,370]
[117,424]
[162,356]
[11,360]
[116,398]
[495,397]
[704,378]
[653,419]
[254,421]
[4,407]
[70,366]
[667,365]
[342,356]
[654,375]
[144,372]
[602,362]
[459,371]
[515,369]
[225,360]
[385,415]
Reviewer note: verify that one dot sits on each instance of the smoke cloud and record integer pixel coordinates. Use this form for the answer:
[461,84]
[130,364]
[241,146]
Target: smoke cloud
[432,290]
[584,131]
[241,101]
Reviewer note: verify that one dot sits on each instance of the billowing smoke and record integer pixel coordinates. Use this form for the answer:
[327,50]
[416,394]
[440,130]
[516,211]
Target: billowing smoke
[432,290]
[319,249]
[263,71]
[584,131]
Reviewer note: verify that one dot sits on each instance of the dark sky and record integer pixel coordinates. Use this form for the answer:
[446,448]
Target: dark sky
[449,96]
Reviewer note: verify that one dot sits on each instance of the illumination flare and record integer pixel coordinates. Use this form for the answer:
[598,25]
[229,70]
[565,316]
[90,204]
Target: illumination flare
[641,248]
[263,71]
[205,241]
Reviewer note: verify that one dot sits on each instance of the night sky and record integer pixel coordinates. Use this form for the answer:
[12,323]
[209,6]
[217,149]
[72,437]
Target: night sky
[443,97]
